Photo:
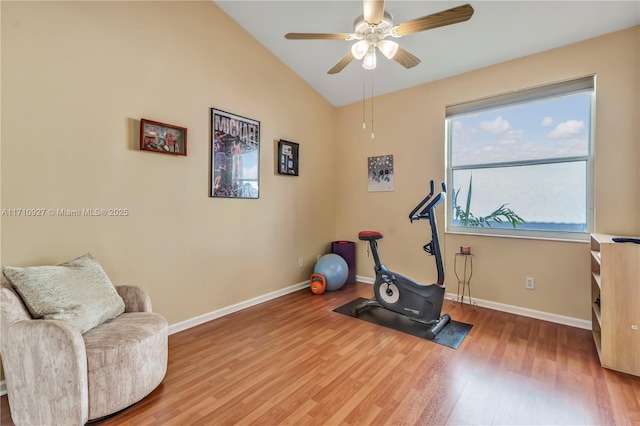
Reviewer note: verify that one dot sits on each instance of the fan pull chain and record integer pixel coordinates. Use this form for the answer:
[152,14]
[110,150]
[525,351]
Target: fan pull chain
[372,135]
[364,125]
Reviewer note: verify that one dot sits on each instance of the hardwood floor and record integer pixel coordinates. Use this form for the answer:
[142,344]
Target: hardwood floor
[294,361]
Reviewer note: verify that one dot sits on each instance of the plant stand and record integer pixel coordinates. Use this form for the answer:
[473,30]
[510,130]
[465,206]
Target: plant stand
[464,279]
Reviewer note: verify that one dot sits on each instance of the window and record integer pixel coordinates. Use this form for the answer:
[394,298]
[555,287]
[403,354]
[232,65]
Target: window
[519,164]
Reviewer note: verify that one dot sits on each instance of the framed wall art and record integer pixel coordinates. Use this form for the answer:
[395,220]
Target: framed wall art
[235,156]
[288,158]
[161,137]
[381,173]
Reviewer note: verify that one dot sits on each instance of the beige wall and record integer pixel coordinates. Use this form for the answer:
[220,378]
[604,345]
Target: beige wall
[410,125]
[76,79]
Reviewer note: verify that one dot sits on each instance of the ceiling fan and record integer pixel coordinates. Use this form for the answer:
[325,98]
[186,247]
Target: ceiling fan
[370,31]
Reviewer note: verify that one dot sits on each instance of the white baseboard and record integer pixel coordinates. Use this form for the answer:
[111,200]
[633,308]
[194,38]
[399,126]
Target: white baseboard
[531,313]
[3,387]
[201,319]
[365,280]
[525,312]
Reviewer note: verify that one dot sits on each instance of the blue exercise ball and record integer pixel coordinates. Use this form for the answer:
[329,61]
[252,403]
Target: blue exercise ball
[334,269]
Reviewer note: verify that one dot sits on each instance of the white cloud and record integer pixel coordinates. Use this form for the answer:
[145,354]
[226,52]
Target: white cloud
[499,125]
[547,122]
[567,129]
[573,143]
[572,146]
[512,137]
[530,147]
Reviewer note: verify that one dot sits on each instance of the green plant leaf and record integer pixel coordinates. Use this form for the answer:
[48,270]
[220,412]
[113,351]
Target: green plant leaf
[467,218]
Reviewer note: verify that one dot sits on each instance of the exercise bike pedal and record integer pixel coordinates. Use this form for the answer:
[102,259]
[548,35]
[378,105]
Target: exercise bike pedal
[373,302]
[437,327]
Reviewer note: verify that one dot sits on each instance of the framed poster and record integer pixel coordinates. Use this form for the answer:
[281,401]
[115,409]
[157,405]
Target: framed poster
[381,173]
[235,156]
[161,137]
[288,158]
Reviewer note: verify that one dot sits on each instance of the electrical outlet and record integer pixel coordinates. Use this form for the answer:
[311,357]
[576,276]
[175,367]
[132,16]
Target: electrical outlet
[300,263]
[318,257]
[530,283]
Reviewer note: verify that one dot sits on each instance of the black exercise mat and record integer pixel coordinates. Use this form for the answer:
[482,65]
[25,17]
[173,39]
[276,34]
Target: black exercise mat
[451,335]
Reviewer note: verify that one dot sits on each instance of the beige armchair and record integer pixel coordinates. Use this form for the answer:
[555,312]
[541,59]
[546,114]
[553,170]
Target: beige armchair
[57,376]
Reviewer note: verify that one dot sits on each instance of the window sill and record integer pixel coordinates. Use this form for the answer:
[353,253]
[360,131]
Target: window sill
[571,237]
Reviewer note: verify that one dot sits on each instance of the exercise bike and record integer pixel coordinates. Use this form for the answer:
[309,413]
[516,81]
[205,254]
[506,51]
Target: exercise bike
[392,291]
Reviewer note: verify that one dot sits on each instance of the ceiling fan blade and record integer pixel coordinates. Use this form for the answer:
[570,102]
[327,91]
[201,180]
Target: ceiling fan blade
[406,59]
[373,11]
[340,65]
[316,36]
[440,19]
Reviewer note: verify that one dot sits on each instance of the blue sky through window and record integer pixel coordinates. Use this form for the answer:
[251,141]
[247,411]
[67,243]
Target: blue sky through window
[550,128]
[549,196]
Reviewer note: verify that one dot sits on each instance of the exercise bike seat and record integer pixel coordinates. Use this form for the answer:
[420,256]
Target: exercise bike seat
[369,235]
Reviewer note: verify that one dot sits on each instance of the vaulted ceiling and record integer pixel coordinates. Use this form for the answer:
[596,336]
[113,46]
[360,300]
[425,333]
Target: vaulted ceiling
[498,31]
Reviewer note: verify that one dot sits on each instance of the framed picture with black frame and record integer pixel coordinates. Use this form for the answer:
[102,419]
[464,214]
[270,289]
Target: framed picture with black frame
[288,153]
[235,156]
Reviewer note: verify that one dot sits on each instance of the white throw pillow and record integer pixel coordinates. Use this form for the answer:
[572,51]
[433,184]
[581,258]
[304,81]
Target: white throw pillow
[78,292]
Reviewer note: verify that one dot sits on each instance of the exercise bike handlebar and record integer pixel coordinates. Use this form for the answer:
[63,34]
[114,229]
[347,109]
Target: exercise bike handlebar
[412,215]
[432,204]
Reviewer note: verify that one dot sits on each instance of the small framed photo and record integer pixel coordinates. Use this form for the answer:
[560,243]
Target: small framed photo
[162,137]
[288,157]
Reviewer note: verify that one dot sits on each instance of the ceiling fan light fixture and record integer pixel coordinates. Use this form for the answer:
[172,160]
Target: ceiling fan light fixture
[359,49]
[388,48]
[370,60]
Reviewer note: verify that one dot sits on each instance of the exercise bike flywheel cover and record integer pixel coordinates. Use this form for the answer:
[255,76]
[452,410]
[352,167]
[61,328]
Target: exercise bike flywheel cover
[389,293]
